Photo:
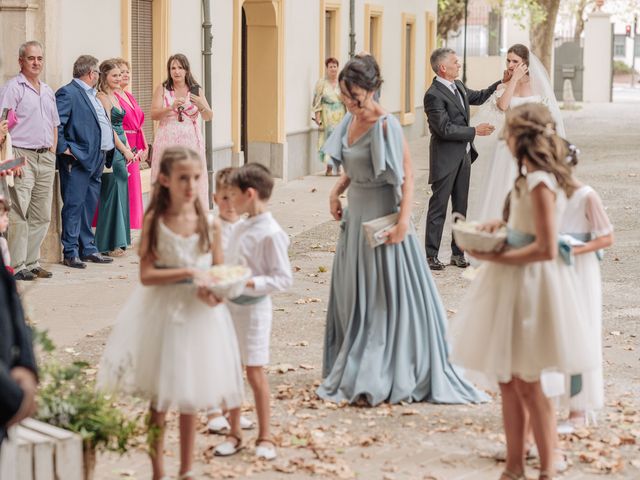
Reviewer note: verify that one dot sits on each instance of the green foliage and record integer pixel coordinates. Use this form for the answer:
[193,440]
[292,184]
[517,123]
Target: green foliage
[67,398]
[450,14]
[525,12]
[41,338]
[621,68]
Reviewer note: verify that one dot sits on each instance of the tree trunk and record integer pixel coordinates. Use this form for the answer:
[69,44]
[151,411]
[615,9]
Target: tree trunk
[580,19]
[542,33]
[88,461]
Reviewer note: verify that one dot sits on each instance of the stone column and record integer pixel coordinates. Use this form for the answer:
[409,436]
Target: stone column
[597,58]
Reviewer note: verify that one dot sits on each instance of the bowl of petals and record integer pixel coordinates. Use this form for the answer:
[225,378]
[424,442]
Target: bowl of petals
[225,281]
[470,237]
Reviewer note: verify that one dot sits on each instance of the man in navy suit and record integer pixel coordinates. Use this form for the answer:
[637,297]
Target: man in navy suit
[85,138]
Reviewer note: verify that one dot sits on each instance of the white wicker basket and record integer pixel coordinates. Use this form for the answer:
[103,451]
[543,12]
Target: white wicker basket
[469,237]
[229,287]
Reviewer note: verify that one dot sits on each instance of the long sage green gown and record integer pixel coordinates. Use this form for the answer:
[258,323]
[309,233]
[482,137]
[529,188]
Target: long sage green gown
[385,336]
[112,229]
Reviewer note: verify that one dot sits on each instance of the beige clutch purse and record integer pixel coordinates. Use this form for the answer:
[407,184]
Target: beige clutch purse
[374,229]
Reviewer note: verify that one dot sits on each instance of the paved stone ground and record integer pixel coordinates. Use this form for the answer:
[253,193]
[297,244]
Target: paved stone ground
[419,441]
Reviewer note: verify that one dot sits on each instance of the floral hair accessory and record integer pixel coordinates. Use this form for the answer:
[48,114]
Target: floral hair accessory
[548,130]
[572,156]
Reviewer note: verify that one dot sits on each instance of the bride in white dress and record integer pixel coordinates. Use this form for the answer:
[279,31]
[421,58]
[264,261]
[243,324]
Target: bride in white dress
[526,81]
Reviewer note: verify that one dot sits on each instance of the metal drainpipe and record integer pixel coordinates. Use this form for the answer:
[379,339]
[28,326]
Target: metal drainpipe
[206,57]
[352,28]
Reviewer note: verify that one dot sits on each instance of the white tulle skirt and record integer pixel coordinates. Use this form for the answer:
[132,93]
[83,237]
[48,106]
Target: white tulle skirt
[522,321]
[493,180]
[171,348]
[591,396]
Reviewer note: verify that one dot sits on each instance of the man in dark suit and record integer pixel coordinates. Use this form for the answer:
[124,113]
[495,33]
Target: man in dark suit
[18,373]
[85,138]
[451,149]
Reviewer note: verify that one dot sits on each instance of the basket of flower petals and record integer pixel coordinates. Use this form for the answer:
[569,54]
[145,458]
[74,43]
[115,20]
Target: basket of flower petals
[225,281]
[470,237]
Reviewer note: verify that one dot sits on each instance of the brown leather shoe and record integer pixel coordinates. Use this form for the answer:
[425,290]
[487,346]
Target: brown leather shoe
[41,272]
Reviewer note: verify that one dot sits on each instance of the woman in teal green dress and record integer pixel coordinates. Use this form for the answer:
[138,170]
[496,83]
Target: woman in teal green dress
[385,338]
[113,232]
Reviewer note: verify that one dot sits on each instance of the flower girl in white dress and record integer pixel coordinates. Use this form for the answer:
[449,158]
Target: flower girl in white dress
[521,316]
[171,338]
[586,220]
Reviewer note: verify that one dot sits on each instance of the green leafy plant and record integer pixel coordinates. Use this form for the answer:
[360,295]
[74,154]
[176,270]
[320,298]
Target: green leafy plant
[621,68]
[67,398]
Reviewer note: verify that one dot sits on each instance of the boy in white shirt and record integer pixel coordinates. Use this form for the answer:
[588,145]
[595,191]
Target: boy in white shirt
[229,220]
[262,245]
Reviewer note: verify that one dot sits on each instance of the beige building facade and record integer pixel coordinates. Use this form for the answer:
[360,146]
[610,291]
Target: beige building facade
[266,58]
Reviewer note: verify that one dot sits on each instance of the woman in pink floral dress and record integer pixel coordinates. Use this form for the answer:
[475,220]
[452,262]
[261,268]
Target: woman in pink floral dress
[132,125]
[178,111]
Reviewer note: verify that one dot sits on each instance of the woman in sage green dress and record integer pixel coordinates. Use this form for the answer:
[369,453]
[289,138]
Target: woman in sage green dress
[113,232]
[386,326]
[328,110]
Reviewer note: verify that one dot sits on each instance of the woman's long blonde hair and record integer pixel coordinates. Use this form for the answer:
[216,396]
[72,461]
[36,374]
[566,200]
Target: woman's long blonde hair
[533,130]
[161,201]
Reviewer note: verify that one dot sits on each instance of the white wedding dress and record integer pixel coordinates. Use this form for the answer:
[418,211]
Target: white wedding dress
[495,169]
[170,347]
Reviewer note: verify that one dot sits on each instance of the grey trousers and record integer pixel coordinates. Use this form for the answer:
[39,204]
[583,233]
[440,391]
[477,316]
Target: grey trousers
[30,213]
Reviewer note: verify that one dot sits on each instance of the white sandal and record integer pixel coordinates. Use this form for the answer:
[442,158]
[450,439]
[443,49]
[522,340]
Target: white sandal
[560,462]
[228,447]
[220,424]
[187,475]
[265,452]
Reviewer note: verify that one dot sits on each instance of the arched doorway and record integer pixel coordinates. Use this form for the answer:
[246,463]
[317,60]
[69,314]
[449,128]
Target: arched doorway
[258,84]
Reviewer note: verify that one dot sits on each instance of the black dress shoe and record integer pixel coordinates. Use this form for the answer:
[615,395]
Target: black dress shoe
[74,262]
[97,258]
[41,272]
[459,261]
[24,275]
[435,264]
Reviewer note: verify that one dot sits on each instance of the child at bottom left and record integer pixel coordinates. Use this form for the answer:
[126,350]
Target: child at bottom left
[171,337]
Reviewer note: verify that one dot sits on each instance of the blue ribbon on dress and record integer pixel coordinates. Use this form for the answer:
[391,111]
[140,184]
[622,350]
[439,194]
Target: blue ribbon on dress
[518,239]
[587,237]
[247,299]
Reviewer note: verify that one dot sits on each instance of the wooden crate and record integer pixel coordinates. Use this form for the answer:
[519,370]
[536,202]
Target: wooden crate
[37,451]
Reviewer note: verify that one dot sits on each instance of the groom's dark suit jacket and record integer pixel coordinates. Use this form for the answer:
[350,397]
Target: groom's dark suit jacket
[449,126]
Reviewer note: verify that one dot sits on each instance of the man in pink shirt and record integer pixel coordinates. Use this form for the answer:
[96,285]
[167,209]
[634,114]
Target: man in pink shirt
[34,136]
